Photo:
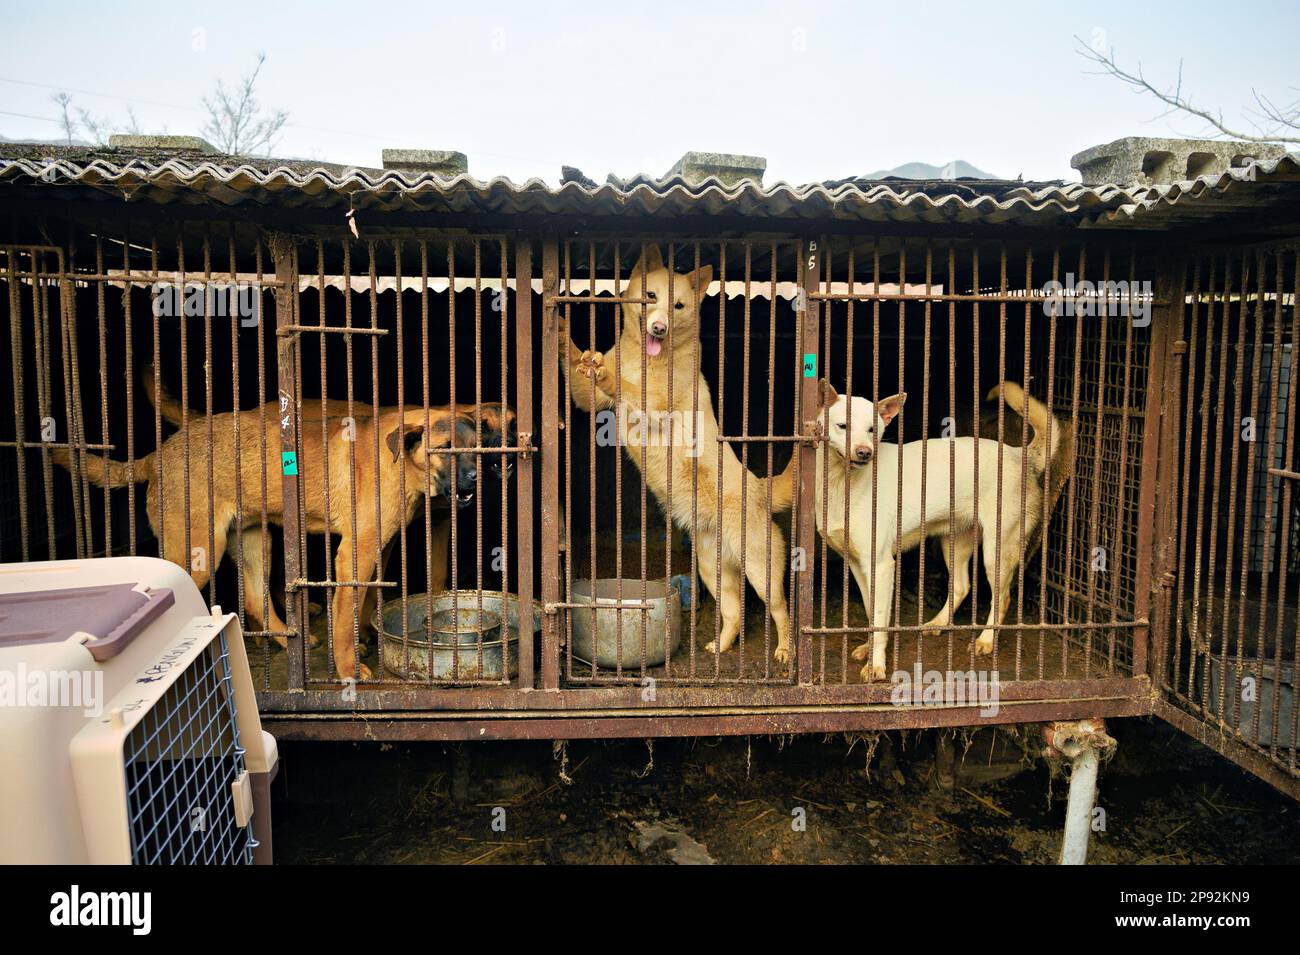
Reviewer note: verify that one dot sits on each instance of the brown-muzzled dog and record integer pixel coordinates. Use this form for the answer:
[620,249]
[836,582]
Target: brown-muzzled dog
[496,419]
[698,454]
[406,446]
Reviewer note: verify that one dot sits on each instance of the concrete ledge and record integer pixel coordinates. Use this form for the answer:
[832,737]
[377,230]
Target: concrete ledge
[728,168]
[193,144]
[1148,161]
[440,162]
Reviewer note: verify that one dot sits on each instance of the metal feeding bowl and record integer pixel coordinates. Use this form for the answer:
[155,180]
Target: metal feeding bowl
[662,631]
[443,636]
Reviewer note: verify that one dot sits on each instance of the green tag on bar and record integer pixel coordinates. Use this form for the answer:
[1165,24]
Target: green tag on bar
[289,462]
[810,366]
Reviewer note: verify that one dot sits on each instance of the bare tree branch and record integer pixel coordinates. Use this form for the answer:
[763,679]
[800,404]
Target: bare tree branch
[236,123]
[64,102]
[1285,118]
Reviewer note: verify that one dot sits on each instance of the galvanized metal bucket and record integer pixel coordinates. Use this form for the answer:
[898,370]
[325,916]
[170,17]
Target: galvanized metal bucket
[448,649]
[617,642]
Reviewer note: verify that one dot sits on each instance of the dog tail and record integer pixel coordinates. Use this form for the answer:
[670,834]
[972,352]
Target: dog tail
[783,486]
[105,472]
[1054,464]
[160,397]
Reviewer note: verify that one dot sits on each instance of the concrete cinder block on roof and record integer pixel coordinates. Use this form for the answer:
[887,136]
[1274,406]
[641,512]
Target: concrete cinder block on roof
[1151,161]
[728,168]
[440,162]
[193,144]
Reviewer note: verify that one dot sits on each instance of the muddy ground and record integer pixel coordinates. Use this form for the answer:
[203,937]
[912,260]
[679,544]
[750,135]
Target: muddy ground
[924,797]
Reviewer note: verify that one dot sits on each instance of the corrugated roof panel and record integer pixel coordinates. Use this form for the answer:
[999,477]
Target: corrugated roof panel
[205,180]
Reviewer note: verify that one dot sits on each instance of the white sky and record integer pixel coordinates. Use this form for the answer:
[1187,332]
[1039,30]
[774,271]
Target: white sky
[823,90]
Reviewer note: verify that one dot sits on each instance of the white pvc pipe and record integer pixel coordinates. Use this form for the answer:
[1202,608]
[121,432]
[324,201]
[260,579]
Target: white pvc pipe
[1078,808]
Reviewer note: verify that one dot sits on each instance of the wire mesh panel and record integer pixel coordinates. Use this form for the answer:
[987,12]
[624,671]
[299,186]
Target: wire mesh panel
[403,445]
[998,393]
[181,760]
[680,397]
[1231,654]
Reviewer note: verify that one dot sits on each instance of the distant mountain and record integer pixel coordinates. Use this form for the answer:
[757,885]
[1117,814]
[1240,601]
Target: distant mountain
[957,169]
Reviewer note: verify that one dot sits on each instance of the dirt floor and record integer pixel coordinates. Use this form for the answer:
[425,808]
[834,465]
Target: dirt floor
[922,797]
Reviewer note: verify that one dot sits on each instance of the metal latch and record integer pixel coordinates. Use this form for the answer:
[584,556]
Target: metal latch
[241,793]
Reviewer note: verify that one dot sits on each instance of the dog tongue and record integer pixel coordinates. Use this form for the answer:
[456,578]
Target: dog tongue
[653,345]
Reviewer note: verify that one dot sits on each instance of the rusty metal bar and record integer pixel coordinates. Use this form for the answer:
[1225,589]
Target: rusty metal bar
[286,309]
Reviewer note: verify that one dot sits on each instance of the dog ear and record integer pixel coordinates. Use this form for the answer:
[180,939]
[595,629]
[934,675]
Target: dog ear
[699,280]
[651,261]
[826,394]
[401,438]
[889,408]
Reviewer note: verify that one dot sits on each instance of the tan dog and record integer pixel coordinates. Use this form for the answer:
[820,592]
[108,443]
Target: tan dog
[498,430]
[696,450]
[853,453]
[404,444]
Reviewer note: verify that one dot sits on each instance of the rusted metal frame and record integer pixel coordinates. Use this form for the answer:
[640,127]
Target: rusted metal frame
[824,359]
[769,474]
[1292,414]
[746,335]
[550,460]
[1264,766]
[330,621]
[454,515]
[100,310]
[568,455]
[235,420]
[810,260]
[949,646]
[722,416]
[503,393]
[1275,382]
[401,483]
[209,421]
[896,603]
[1094,500]
[848,484]
[1158,469]
[668,469]
[509,725]
[1245,327]
[186,515]
[1221,437]
[977,399]
[925,448]
[12,281]
[1070,510]
[422,700]
[524,466]
[995,603]
[1022,554]
[478,441]
[159,468]
[695,463]
[286,309]
[1116,559]
[1187,569]
[69,353]
[1257,329]
[425,367]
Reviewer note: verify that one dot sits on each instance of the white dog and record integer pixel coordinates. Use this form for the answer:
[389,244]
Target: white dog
[860,455]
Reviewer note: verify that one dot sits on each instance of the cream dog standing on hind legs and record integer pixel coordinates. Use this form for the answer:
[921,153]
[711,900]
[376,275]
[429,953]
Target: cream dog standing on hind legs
[697,452]
[962,525]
